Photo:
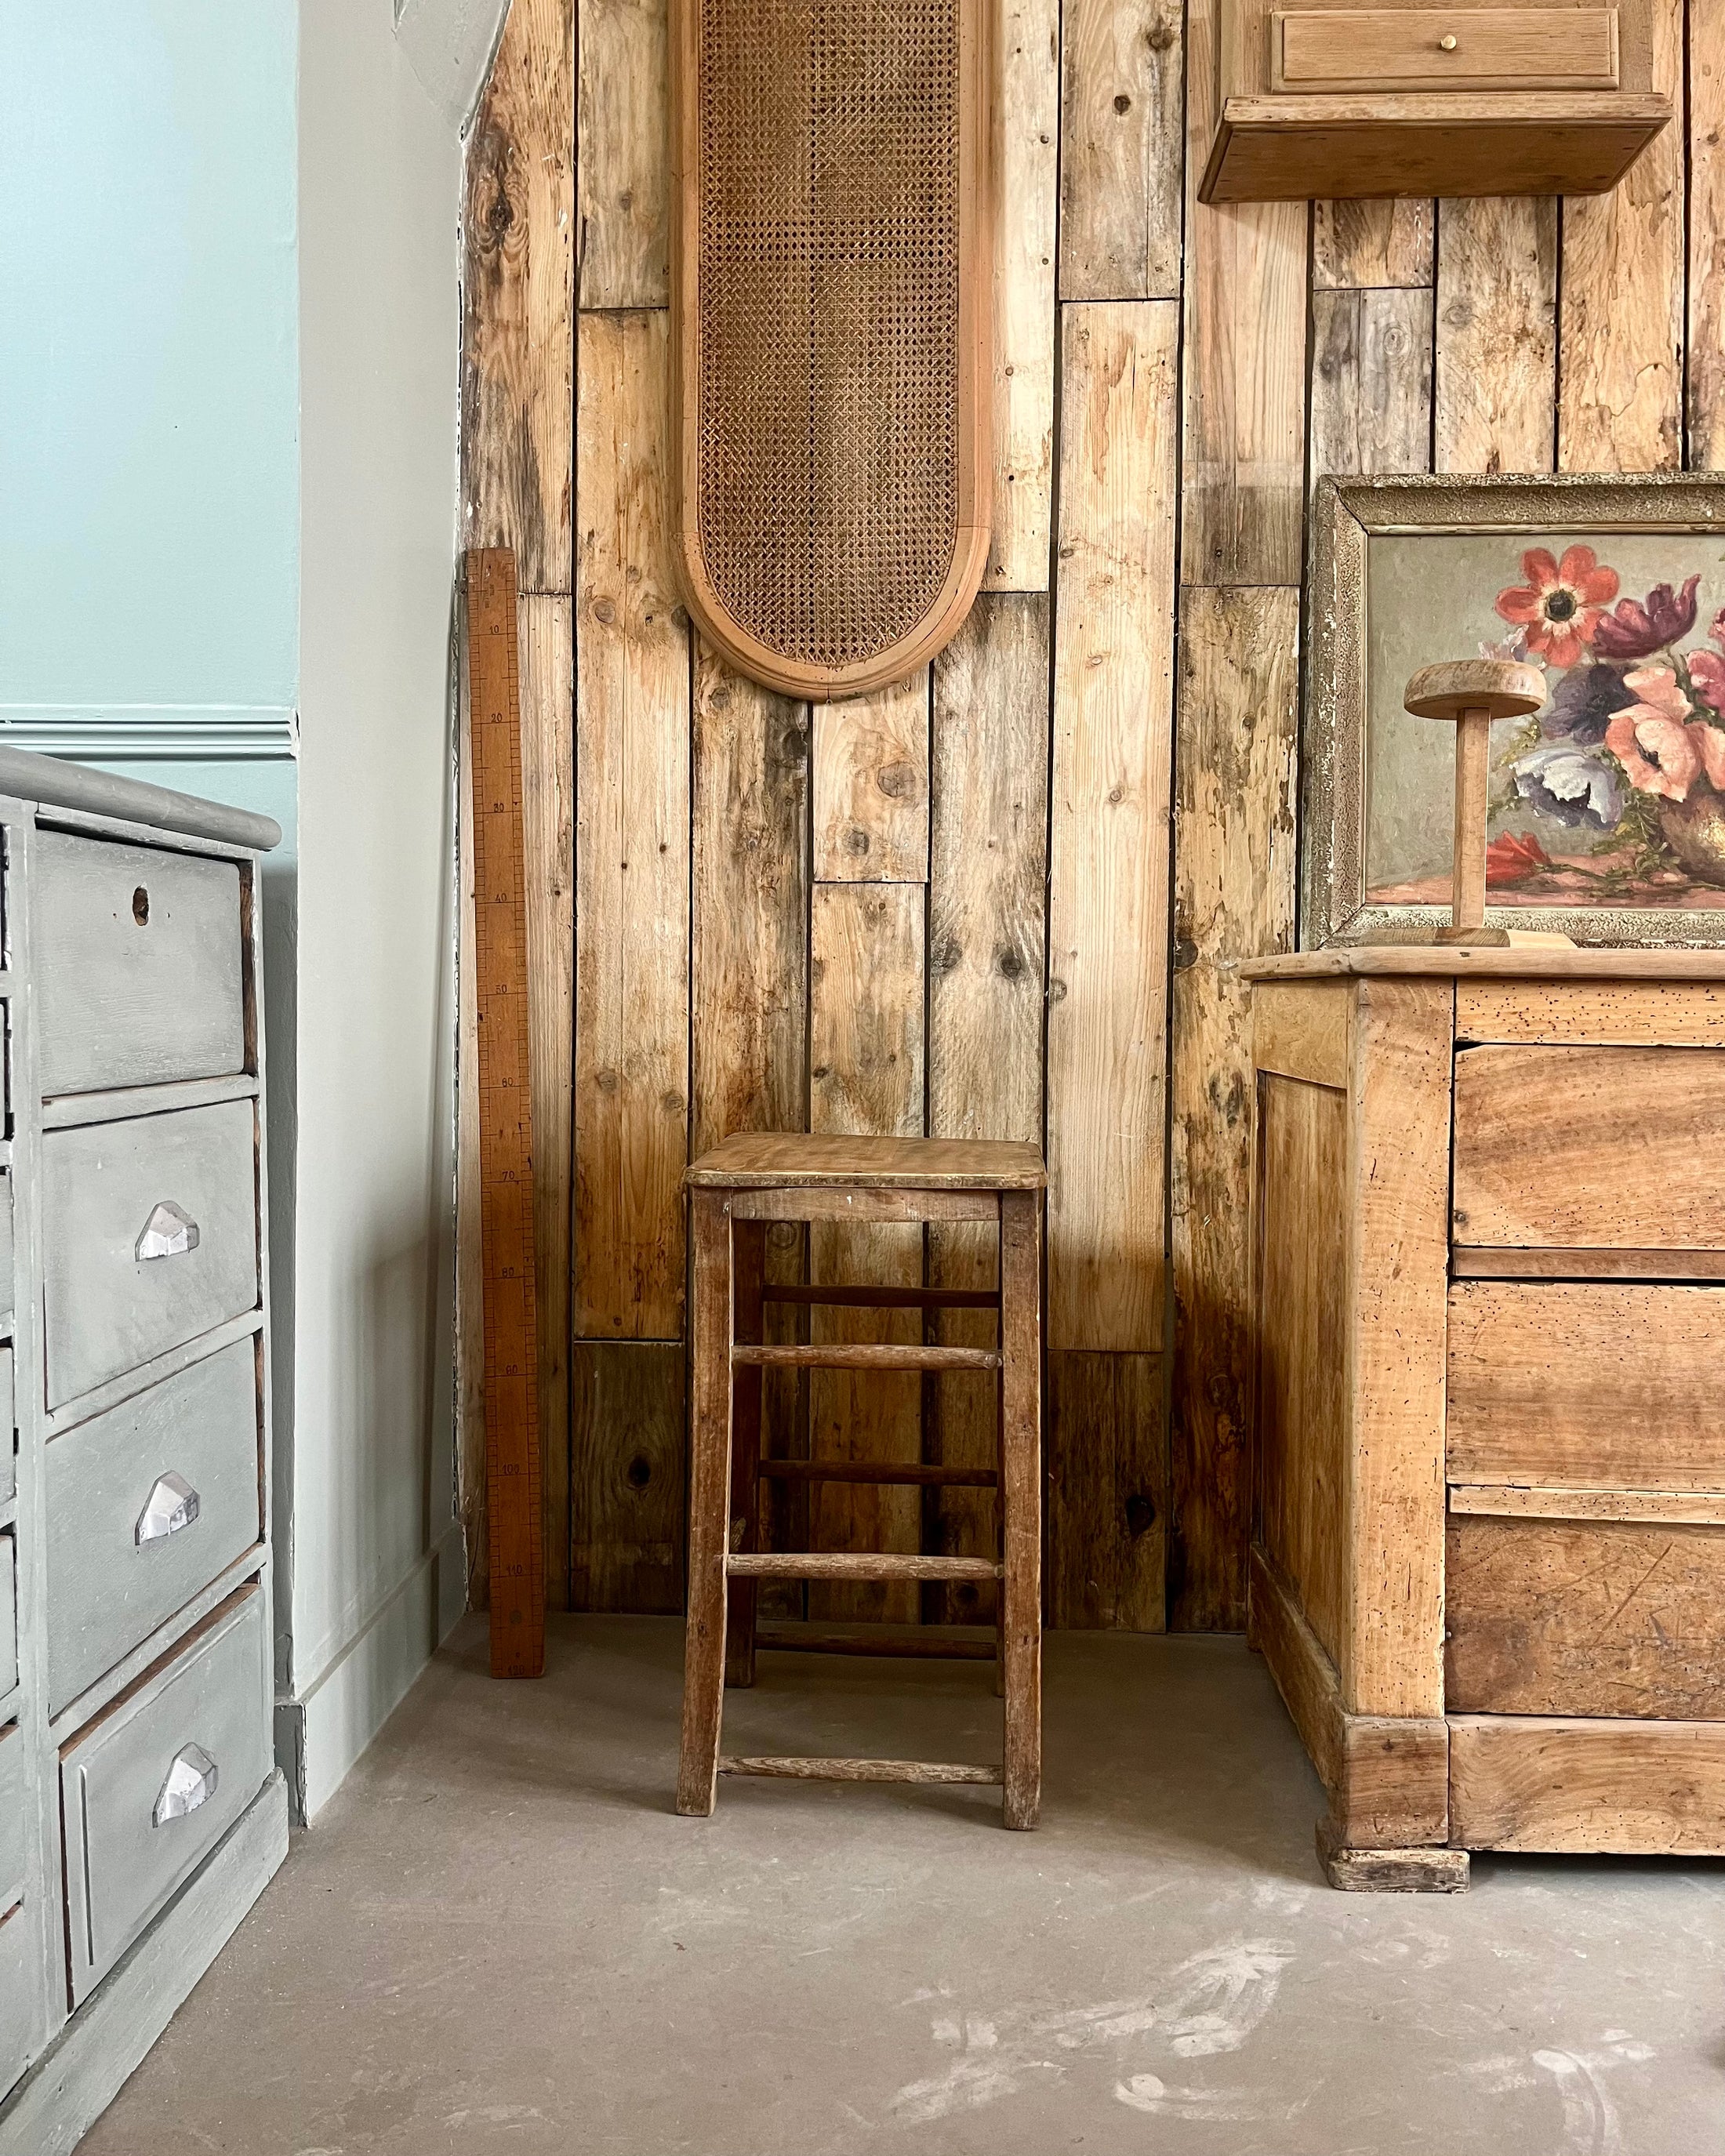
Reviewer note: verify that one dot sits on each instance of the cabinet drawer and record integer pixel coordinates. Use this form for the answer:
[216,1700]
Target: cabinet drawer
[8,1617]
[8,1429]
[1372,50]
[145,1505]
[109,1192]
[1584,1617]
[23,1994]
[6,1287]
[1577,1147]
[13,1789]
[138,959]
[1593,1383]
[150,1789]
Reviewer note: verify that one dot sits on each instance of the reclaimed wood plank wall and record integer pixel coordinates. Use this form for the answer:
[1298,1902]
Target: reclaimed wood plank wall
[1007,898]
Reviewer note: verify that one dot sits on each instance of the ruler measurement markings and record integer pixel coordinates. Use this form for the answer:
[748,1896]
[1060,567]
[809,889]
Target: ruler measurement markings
[510,1325]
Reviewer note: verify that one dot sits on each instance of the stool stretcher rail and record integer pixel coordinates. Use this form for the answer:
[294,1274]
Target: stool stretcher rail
[859,1770]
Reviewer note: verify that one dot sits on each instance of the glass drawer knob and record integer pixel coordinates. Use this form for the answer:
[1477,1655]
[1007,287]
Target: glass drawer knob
[191,1782]
[172,1504]
[169,1232]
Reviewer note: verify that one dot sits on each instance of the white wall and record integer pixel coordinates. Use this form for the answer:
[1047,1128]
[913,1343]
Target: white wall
[372,1564]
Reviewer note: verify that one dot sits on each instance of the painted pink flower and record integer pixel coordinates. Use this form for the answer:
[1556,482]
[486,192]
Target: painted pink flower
[1716,629]
[1708,742]
[1706,677]
[1650,738]
[1560,605]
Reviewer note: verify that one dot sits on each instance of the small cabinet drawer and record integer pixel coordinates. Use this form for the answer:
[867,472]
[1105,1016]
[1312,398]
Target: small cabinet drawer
[23,1993]
[7,1292]
[14,1790]
[8,1617]
[138,958]
[151,1786]
[146,1504]
[1570,1148]
[149,1238]
[1597,1384]
[1371,50]
[1584,1617]
[8,1429]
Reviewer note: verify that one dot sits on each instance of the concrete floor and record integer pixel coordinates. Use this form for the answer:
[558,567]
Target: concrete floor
[500,1938]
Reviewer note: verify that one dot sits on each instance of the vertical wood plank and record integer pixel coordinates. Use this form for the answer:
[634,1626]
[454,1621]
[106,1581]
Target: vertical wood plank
[865,1077]
[1121,160]
[624,154]
[518,397]
[632,846]
[517,416]
[627,1510]
[547,660]
[987,965]
[1706,235]
[1496,381]
[1357,245]
[871,786]
[1371,381]
[1399,1172]
[1245,364]
[750,1035]
[1108,885]
[1107,1492]
[1234,884]
[750,906]
[1025,110]
[1620,349]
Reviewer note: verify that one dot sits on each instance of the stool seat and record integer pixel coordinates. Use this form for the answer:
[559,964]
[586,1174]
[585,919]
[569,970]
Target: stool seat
[735,1191]
[781,1160]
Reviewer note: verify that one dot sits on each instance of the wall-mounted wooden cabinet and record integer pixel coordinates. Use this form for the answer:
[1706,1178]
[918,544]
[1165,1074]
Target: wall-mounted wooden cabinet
[1425,100]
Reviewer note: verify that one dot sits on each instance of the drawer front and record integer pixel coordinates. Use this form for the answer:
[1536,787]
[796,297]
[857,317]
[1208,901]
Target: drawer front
[6,1287]
[1576,1147]
[1593,1383]
[145,1505]
[151,1788]
[13,1789]
[138,960]
[8,1617]
[1584,1617]
[8,1429]
[113,1190]
[1435,48]
[23,1995]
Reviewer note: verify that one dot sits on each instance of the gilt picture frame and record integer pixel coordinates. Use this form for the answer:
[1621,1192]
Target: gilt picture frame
[1608,806]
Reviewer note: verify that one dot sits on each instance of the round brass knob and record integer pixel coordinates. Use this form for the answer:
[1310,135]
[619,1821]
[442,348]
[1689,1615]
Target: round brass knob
[1447,44]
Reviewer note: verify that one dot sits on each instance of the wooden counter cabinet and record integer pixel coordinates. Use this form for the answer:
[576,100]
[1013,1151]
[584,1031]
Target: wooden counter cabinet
[1488,1535]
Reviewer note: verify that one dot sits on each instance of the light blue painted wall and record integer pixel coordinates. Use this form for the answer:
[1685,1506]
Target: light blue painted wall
[149,383]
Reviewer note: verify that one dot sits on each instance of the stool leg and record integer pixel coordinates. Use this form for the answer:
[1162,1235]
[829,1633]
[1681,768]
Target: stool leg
[749,1274]
[1021,1482]
[708,1505]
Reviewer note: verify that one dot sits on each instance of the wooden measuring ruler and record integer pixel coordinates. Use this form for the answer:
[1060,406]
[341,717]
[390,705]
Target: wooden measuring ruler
[499,912]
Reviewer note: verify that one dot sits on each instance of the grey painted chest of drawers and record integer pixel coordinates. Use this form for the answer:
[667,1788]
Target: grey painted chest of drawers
[141,1810]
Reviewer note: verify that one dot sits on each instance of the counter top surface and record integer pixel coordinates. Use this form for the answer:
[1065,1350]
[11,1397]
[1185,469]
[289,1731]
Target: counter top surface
[55,783]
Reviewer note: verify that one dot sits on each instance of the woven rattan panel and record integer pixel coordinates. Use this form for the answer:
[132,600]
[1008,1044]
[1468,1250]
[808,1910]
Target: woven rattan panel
[829,332]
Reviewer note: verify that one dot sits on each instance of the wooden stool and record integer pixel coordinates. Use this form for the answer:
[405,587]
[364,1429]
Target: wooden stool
[735,1192]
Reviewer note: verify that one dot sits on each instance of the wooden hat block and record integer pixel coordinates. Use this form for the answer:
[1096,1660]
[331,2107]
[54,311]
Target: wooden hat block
[1468,694]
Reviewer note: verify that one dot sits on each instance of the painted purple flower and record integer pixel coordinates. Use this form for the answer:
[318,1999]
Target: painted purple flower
[1582,704]
[1634,629]
[1570,785]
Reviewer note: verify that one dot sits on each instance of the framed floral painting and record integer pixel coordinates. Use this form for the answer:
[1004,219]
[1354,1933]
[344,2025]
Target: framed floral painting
[1607,807]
